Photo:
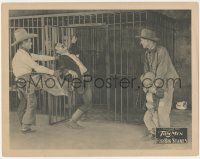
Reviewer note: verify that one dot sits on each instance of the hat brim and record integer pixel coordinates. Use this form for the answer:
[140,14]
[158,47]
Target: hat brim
[153,39]
[29,36]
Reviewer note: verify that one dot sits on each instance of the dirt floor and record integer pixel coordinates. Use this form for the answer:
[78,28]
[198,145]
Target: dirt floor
[97,134]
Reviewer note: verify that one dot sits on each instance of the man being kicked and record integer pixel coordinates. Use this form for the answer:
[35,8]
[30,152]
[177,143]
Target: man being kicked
[70,64]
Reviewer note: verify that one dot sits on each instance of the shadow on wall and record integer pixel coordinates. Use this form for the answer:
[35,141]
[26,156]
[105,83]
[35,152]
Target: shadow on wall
[183,61]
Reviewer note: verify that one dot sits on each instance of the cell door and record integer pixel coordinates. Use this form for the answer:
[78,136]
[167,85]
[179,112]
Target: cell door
[59,108]
[92,49]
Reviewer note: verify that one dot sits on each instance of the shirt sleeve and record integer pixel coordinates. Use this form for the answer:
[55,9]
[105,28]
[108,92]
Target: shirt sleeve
[38,68]
[163,61]
[42,57]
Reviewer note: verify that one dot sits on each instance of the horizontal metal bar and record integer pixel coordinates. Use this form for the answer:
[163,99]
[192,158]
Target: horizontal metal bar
[87,25]
[26,27]
[111,74]
[100,105]
[82,25]
[77,13]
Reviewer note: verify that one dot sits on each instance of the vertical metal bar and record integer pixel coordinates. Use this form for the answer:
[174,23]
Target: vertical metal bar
[59,98]
[54,37]
[33,32]
[73,19]
[58,37]
[10,71]
[69,105]
[50,29]
[95,48]
[56,108]
[70,35]
[14,24]
[44,94]
[38,52]
[93,58]
[121,104]
[174,42]
[74,99]
[127,106]
[49,97]
[107,67]
[127,69]
[49,108]
[67,36]
[81,43]
[23,22]
[59,108]
[61,17]
[28,24]
[98,39]
[67,20]
[140,19]
[53,107]
[146,19]
[18,21]
[140,63]
[11,53]
[62,34]
[65,106]
[38,34]
[133,104]
[115,71]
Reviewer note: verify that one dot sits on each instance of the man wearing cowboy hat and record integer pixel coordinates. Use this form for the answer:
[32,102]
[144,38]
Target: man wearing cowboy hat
[23,64]
[157,60]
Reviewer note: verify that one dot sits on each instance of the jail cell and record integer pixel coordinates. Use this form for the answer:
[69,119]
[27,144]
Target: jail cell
[60,108]
[111,51]
[91,40]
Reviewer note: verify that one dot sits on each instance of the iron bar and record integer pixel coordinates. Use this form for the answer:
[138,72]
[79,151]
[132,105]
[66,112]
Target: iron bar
[115,65]
[120,40]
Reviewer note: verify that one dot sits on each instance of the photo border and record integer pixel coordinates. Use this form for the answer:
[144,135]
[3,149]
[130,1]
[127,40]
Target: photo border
[193,6]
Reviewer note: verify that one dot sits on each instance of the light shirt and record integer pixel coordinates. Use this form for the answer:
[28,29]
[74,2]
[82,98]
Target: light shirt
[23,63]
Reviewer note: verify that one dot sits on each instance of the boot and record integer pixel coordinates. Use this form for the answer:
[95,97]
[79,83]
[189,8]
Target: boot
[26,128]
[72,123]
[84,117]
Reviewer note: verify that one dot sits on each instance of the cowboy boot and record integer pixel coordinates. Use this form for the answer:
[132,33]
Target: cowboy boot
[72,123]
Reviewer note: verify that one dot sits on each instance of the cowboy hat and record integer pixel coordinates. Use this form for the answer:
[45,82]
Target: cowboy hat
[21,35]
[148,34]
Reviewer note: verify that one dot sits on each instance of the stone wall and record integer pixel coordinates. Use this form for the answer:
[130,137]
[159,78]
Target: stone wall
[183,60]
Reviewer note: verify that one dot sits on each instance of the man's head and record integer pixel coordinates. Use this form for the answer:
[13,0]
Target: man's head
[61,48]
[147,38]
[26,44]
[23,38]
[146,43]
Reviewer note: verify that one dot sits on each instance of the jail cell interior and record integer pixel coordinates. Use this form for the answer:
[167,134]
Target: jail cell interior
[91,40]
[107,46]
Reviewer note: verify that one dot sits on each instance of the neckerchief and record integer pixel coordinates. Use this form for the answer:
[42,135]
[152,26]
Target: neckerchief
[150,58]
